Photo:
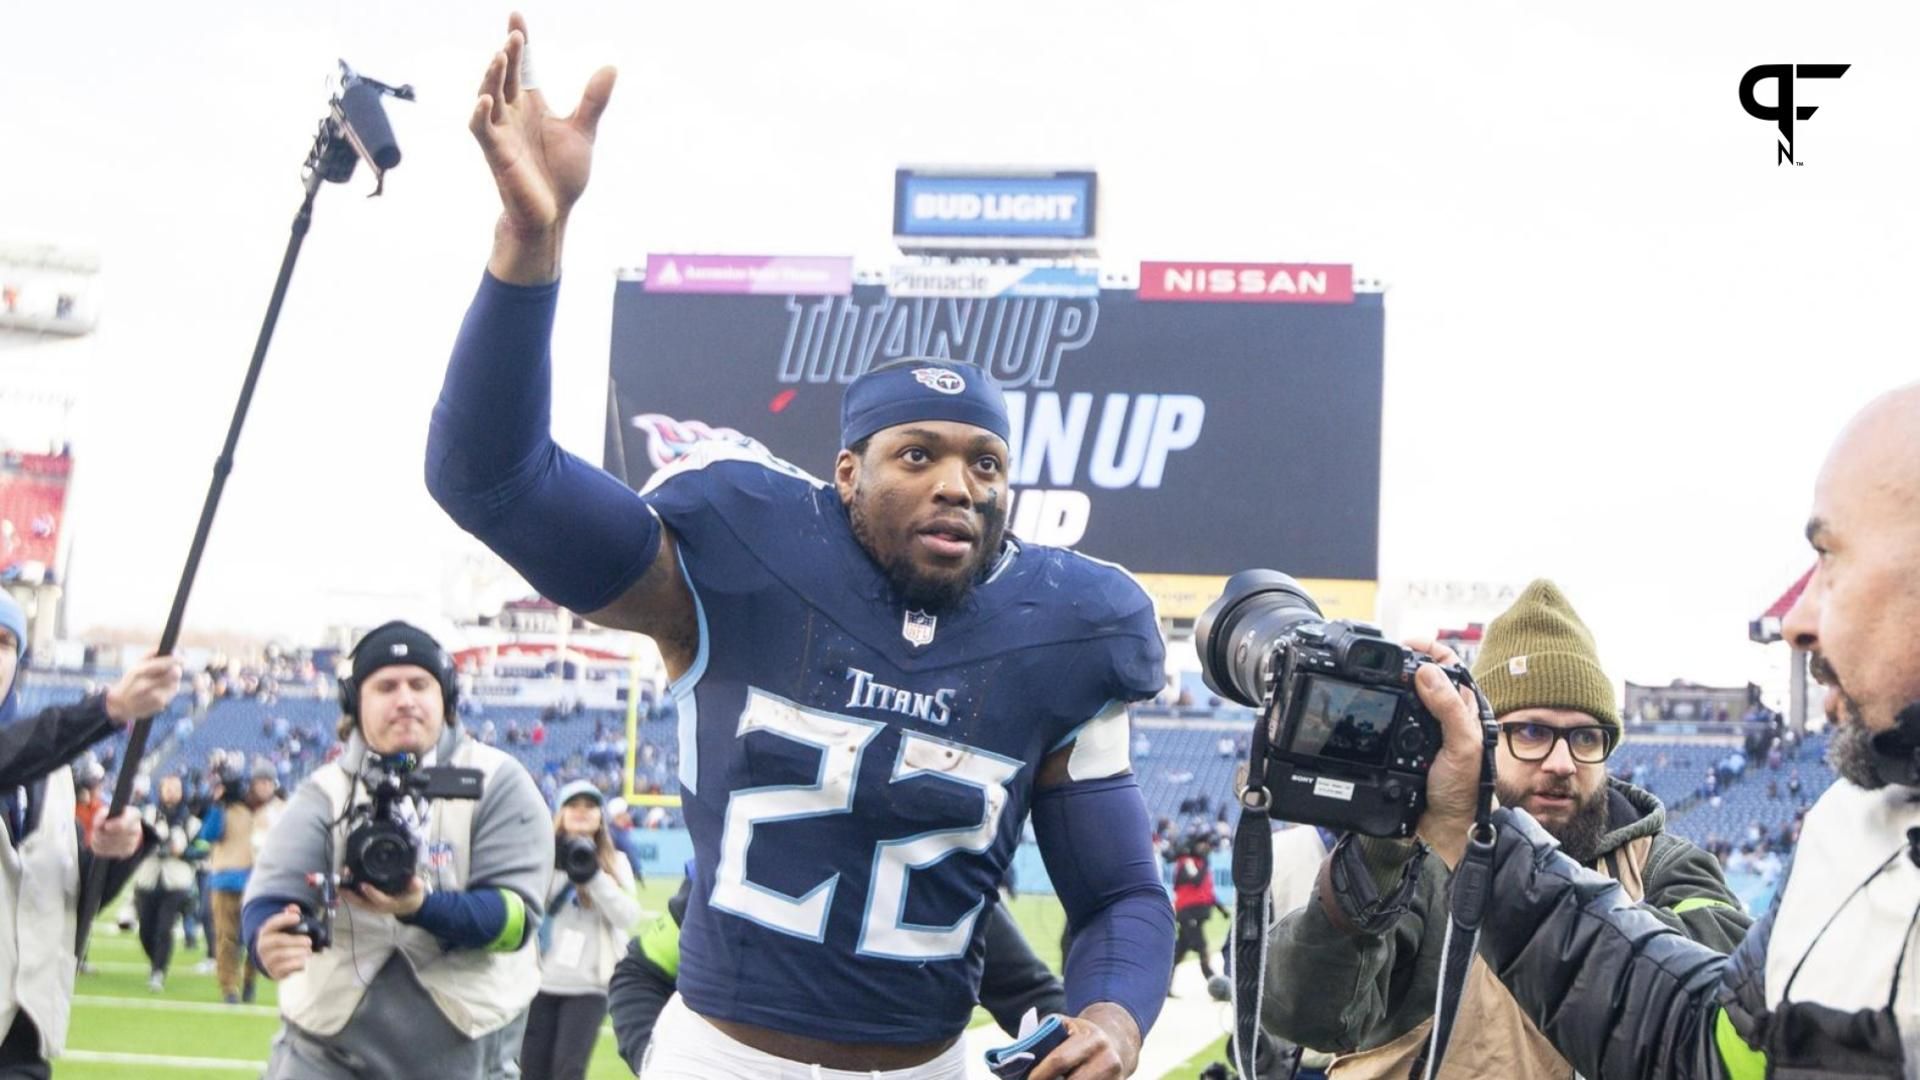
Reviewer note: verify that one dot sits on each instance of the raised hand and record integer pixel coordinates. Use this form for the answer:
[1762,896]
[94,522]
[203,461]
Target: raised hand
[144,690]
[540,162]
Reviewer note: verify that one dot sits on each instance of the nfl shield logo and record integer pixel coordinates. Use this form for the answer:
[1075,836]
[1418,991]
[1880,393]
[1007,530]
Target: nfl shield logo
[917,628]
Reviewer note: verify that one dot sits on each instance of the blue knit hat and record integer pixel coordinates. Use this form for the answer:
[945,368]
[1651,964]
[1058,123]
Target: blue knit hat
[14,619]
[904,391]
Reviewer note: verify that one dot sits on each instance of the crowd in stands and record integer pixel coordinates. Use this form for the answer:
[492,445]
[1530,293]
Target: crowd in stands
[282,713]
[1743,803]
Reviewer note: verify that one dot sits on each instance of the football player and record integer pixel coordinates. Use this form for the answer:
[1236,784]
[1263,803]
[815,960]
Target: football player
[876,685]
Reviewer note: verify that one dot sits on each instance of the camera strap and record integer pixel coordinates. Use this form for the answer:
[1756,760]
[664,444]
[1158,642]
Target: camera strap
[1252,904]
[1466,897]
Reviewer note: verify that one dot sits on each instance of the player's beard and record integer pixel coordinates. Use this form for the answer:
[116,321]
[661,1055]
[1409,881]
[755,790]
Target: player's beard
[1580,834]
[1850,743]
[916,588]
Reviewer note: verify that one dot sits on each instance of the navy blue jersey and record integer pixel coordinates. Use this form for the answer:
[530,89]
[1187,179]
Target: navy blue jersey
[856,776]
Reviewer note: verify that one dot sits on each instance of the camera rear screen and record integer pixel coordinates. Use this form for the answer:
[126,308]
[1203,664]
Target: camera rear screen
[1344,722]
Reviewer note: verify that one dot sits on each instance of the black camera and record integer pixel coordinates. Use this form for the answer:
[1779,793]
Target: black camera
[381,850]
[1348,743]
[318,928]
[577,856]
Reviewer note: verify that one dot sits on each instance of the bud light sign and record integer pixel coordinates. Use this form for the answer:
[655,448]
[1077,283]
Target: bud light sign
[1058,206]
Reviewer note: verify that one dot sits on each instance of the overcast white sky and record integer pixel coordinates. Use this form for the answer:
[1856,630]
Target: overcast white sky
[1619,338]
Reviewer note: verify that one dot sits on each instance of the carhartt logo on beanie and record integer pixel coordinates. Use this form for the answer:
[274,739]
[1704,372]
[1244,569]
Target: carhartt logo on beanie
[1539,655]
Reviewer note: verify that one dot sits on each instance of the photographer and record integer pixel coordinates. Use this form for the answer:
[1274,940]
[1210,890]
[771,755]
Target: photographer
[231,830]
[590,908]
[1369,947]
[45,860]
[1194,902]
[163,886]
[419,973]
[1824,986]
[263,798]
[203,794]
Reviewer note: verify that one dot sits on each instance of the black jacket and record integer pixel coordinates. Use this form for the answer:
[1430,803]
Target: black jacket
[1624,997]
[1013,981]
[1356,968]
[34,746]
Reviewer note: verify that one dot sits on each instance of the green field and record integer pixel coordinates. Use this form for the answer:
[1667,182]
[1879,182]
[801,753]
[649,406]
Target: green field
[121,1031]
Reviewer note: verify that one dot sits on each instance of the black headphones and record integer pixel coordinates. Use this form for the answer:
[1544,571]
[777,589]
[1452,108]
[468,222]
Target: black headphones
[405,636]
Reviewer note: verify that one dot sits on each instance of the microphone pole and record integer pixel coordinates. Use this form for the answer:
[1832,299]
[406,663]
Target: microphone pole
[356,127]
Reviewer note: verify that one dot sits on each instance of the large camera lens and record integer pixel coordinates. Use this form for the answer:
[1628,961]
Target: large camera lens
[1237,633]
[382,854]
[576,856]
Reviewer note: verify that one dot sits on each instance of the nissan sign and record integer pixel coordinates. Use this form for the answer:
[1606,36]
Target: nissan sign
[1258,283]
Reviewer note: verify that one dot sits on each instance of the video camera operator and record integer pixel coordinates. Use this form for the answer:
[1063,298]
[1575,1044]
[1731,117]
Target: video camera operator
[1825,985]
[441,850]
[40,875]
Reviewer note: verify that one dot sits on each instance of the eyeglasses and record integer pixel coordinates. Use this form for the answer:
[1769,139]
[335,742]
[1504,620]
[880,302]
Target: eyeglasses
[1590,744]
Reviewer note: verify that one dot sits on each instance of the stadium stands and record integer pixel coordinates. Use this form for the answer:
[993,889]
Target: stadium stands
[1187,759]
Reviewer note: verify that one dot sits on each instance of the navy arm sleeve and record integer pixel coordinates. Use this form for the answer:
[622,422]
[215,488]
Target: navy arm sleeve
[467,920]
[577,534]
[1097,843]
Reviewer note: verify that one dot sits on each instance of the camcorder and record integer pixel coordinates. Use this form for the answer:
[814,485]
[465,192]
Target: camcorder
[381,850]
[1347,741]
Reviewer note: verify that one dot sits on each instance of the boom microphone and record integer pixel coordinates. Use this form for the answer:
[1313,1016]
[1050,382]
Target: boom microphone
[356,127]
[365,121]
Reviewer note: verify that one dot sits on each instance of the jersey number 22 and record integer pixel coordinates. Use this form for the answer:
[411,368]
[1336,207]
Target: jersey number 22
[842,740]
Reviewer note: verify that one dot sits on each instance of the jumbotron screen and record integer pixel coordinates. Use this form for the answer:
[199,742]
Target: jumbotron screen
[1175,438]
